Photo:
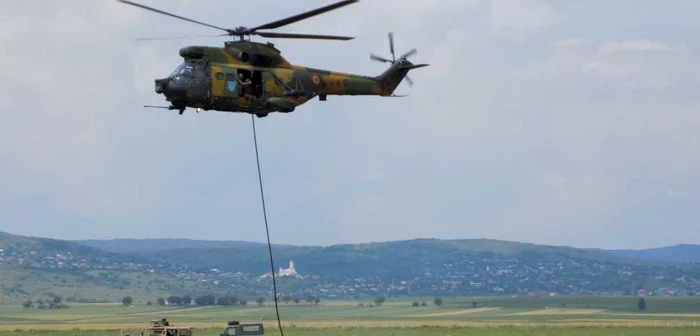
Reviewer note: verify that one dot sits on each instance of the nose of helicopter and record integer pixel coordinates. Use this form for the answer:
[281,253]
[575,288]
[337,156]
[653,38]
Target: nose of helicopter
[172,88]
[161,84]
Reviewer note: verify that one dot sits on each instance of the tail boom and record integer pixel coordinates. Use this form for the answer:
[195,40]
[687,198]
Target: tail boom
[392,77]
[322,82]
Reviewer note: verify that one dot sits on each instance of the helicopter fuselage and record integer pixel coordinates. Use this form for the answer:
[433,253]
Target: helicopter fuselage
[214,78]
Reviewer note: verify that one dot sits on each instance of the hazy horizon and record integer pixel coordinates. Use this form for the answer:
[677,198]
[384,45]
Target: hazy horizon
[550,122]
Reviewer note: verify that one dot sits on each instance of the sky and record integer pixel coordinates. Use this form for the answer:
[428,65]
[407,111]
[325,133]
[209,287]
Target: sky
[555,122]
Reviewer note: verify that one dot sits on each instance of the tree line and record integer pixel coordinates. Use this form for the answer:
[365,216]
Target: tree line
[225,300]
[52,302]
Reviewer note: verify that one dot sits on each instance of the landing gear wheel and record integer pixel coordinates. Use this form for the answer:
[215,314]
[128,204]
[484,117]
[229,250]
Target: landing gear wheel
[261,115]
[181,110]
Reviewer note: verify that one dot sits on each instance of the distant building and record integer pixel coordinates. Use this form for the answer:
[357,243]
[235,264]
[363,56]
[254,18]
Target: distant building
[288,271]
[291,271]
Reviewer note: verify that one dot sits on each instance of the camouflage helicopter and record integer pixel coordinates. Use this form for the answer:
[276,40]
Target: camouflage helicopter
[251,77]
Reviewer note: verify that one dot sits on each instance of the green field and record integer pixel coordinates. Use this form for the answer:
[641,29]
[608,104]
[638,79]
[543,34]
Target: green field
[427,331]
[497,331]
[493,316]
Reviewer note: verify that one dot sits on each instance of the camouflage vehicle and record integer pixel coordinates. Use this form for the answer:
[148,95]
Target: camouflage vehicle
[160,328]
[255,78]
[235,328]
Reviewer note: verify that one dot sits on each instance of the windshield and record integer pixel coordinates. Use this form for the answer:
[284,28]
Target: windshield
[183,69]
[230,332]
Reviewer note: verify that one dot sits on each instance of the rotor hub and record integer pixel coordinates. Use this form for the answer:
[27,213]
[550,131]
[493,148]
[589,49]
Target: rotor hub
[240,31]
[401,60]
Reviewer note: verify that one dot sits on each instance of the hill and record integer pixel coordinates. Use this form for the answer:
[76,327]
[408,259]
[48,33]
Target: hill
[401,258]
[672,254]
[36,267]
[676,253]
[340,261]
[400,268]
[430,266]
[54,253]
[156,245]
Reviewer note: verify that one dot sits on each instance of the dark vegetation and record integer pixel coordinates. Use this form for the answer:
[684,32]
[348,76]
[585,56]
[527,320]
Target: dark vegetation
[224,300]
[51,301]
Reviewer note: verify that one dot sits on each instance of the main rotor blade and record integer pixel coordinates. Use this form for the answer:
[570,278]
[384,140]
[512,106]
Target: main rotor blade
[302,16]
[410,53]
[379,58]
[171,15]
[178,37]
[303,36]
[409,80]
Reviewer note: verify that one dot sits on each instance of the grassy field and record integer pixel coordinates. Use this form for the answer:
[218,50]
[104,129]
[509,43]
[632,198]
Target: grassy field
[494,316]
[427,331]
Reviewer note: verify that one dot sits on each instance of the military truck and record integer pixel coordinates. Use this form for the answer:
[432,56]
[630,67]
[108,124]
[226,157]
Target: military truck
[160,328]
[163,328]
[235,328]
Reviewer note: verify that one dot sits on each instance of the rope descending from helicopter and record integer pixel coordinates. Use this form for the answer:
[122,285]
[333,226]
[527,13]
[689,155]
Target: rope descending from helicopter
[267,229]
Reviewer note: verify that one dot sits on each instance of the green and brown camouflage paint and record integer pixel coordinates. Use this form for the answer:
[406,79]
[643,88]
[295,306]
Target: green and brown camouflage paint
[284,85]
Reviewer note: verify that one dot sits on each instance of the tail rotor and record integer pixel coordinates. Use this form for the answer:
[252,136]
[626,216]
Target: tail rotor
[401,61]
[391,45]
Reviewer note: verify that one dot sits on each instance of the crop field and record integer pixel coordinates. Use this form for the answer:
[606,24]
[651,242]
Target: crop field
[492,316]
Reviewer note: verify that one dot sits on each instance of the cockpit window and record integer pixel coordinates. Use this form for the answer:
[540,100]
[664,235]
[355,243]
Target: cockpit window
[183,70]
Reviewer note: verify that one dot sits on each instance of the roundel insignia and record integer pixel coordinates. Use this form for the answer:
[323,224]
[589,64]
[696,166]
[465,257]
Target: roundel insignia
[316,79]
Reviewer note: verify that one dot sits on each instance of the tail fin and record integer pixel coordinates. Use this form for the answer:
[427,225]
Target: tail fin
[392,77]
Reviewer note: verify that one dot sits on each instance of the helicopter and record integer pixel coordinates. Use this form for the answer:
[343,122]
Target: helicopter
[252,77]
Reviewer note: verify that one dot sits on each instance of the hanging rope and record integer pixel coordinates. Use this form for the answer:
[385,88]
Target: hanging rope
[267,229]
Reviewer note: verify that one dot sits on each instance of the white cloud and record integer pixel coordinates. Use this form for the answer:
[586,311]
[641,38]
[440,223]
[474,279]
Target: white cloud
[640,63]
[609,48]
